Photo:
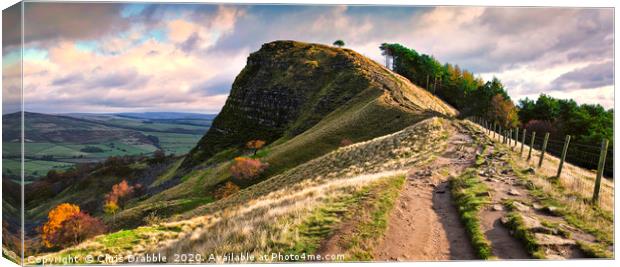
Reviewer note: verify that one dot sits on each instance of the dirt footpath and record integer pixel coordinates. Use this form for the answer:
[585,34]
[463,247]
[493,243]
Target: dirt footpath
[424,224]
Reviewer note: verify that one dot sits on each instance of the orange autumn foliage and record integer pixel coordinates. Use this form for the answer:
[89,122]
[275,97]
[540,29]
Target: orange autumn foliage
[56,217]
[120,193]
[255,144]
[247,168]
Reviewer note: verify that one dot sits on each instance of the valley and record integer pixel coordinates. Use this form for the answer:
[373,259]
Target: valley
[57,142]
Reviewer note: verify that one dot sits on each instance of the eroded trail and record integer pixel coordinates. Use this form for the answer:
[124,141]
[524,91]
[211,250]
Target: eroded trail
[424,224]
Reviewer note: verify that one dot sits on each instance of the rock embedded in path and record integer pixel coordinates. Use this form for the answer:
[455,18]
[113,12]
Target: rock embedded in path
[497,207]
[514,192]
[552,240]
[520,206]
[551,210]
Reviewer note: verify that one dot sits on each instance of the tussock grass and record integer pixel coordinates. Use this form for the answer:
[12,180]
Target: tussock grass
[470,195]
[594,250]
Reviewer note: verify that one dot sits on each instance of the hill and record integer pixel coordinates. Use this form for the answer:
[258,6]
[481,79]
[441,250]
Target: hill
[289,87]
[341,95]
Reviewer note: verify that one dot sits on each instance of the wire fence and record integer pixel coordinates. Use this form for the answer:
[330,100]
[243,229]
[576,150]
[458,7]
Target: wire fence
[578,172]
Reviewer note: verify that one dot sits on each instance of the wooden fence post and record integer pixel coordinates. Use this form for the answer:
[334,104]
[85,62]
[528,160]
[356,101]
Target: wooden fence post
[529,154]
[542,150]
[517,137]
[599,171]
[501,133]
[509,137]
[523,141]
[564,150]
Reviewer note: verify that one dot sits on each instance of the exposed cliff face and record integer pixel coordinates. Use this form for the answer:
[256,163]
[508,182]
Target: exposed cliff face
[287,87]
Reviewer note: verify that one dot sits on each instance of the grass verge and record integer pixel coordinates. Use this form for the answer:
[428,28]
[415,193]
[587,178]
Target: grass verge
[516,224]
[367,209]
[470,195]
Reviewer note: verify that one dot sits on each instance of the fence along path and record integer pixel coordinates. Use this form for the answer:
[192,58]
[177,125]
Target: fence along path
[574,179]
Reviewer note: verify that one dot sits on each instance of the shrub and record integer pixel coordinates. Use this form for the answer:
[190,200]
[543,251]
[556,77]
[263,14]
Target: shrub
[226,190]
[55,218]
[120,193]
[255,145]
[247,168]
[68,225]
[78,228]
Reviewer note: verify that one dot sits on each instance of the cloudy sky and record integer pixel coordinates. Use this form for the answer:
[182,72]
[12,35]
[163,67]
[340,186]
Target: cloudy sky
[103,57]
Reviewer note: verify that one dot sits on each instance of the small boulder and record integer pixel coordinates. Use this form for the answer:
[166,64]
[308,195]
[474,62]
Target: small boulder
[551,210]
[552,240]
[514,192]
[520,206]
[531,222]
[497,207]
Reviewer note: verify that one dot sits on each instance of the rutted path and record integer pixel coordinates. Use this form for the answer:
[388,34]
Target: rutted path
[424,224]
[550,231]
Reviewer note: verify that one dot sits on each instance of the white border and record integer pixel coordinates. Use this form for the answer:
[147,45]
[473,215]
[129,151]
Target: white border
[556,3]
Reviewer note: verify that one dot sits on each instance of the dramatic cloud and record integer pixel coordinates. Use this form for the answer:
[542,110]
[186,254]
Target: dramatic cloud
[107,57]
[593,76]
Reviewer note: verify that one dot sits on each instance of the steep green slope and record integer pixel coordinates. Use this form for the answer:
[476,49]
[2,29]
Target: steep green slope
[288,87]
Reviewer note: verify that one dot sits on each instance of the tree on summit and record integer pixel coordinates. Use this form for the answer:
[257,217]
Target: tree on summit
[339,43]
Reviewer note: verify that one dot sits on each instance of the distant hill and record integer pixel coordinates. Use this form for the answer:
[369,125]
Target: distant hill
[63,129]
[168,116]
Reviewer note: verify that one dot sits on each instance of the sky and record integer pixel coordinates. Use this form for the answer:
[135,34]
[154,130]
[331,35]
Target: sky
[121,57]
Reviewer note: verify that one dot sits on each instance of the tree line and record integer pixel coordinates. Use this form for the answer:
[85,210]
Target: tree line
[472,96]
